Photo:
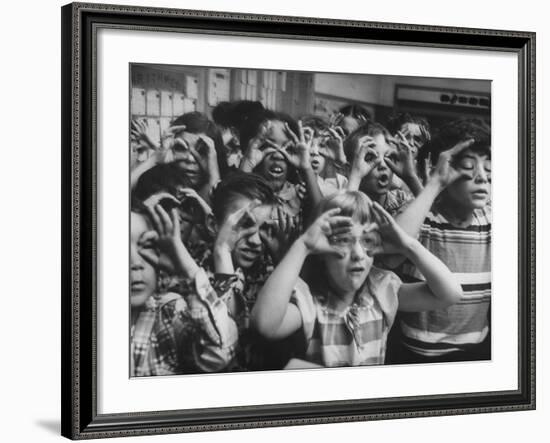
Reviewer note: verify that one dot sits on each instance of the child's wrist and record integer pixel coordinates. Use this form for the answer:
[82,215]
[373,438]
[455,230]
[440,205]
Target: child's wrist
[300,245]
[435,183]
[411,248]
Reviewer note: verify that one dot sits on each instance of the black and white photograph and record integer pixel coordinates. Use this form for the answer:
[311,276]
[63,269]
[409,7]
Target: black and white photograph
[284,220]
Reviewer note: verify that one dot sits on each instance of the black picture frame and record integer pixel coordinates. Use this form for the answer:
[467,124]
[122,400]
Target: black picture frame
[79,211]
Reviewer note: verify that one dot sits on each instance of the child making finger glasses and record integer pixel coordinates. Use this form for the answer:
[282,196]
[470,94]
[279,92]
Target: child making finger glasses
[346,313]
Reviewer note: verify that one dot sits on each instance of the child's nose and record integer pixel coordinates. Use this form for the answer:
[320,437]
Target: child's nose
[254,239]
[357,251]
[482,176]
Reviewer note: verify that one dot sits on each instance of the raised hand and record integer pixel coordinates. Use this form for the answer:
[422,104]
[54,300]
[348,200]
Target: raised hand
[316,237]
[335,145]
[189,193]
[167,233]
[168,137]
[139,135]
[238,225]
[296,151]
[278,234]
[258,148]
[366,157]
[403,165]
[445,171]
[394,238]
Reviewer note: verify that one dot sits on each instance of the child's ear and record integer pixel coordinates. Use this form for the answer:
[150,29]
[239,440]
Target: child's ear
[211,225]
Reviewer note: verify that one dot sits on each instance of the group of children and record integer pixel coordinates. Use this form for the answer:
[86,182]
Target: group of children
[260,241]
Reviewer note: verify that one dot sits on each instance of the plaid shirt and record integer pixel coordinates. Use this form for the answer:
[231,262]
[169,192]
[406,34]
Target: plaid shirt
[396,201]
[175,335]
[355,336]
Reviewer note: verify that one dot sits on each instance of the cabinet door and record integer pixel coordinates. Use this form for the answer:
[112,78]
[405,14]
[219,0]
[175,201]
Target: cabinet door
[189,105]
[178,104]
[153,102]
[166,105]
[218,86]
[137,105]
[191,87]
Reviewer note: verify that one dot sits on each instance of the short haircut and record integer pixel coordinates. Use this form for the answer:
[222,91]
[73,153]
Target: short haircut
[317,123]
[371,129]
[240,184]
[354,204]
[455,132]
[252,125]
[397,119]
[160,178]
[197,123]
[355,110]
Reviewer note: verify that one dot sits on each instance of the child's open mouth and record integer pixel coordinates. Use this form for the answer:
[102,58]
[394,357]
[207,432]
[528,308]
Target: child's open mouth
[356,270]
[383,180]
[276,171]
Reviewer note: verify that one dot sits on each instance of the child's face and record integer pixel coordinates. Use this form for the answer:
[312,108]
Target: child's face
[348,273]
[185,160]
[469,194]
[414,135]
[378,180]
[143,276]
[318,161]
[249,249]
[274,167]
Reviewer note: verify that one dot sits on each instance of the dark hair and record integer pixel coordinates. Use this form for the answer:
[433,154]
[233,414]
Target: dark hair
[355,110]
[235,114]
[397,119]
[370,128]
[251,126]
[196,123]
[160,178]
[455,132]
[315,122]
[240,184]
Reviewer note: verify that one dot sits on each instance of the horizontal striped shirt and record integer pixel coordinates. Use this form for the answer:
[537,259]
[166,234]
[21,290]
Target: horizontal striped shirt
[355,336]
[467,253]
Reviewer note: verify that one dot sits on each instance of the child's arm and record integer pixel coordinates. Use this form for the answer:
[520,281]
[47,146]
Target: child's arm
[440,289]
[273,315]
[216,337]
[169,241]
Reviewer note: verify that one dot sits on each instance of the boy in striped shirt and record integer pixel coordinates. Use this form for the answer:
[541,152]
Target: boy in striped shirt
[452,219]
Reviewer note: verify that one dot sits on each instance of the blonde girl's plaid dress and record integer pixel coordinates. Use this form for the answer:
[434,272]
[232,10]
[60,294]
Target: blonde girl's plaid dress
[356,336]
[175,335]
